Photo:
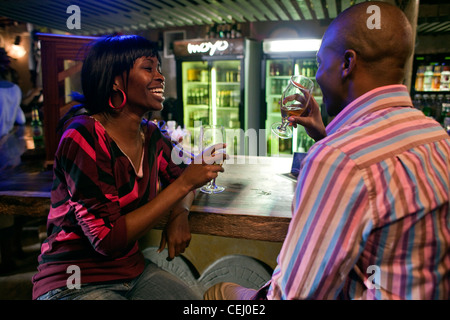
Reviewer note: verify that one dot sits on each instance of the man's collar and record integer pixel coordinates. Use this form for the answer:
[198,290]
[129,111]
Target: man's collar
[373,100]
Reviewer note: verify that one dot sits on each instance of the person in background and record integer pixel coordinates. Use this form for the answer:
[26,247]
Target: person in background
[10,114]
[114,179]
[371,207]
[10,97]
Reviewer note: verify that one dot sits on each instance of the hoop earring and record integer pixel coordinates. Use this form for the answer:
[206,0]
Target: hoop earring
[123,102]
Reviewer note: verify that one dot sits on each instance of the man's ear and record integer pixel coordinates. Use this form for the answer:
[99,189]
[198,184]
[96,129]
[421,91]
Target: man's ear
[349,63]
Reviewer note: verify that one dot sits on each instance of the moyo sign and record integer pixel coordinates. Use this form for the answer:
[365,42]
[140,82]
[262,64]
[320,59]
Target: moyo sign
[204,47]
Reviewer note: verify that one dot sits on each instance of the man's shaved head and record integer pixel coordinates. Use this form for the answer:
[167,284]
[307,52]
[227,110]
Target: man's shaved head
[387,48]
[355,57]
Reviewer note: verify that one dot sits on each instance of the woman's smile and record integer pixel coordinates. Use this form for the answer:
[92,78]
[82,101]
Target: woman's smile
[158,93]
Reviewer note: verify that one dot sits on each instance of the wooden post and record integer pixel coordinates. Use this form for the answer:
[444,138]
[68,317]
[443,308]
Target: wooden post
[55,49]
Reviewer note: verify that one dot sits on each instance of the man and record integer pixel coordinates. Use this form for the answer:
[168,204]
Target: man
[371,207]
[10,114]
[10,97]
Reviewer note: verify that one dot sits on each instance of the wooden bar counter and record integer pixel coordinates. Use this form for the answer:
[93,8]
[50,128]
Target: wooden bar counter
[256,203]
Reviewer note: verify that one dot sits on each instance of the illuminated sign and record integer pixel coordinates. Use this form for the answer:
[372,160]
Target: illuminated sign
[204,47]
[208,47]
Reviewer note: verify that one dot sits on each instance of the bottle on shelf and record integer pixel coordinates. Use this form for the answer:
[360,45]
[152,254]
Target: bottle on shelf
[436,80]
[272,69]
[227,32]
[36,127]
[277,69]
[446,117]
[238,74]
[233,30]
[206,96]
[440,107]
[273,88]
[420,78]
[428,78]
[238,31]
[220,31]
[289,70]
[445,79]
[426,109]
[417,102]
[213,32]
[433,106]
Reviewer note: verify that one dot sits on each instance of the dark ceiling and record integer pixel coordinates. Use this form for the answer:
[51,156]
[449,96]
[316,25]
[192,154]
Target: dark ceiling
[108,16]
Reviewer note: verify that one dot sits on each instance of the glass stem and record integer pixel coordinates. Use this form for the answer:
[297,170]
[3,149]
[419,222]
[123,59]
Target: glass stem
[284,124]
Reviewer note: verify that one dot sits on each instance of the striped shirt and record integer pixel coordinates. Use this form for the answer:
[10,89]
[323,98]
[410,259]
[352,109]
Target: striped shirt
[371,207]
[94,187]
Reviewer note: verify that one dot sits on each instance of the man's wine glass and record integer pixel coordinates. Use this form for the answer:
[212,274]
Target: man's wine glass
[294,101]
[210,135]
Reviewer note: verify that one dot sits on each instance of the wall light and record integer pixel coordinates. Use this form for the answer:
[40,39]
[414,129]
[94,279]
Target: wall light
[17,51]
[291,45]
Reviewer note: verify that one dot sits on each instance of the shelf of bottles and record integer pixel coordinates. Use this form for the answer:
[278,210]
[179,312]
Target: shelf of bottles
[223,31]
[211,94]
[227,90]
[278,73]
[199,90]
[196,92]
[431,92]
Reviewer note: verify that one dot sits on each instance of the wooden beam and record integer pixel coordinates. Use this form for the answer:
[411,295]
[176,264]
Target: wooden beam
[292,11]
[248,13]
[304,9]
[220,8]
[259,5]
[318,9]
[205,10]
[275,6]
[443,27]
[345,4]
[331,7]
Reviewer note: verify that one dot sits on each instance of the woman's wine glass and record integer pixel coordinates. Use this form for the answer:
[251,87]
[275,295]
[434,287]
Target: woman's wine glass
[294,101]
[210,135]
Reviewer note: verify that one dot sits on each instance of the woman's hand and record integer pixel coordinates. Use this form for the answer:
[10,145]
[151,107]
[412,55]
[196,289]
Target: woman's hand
[176,235]
[311,119]
[203,168]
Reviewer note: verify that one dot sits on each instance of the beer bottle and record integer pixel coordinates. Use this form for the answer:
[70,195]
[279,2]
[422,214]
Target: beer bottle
[436,79]
[428,78]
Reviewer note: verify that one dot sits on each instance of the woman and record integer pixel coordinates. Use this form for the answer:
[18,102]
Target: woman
[106,193]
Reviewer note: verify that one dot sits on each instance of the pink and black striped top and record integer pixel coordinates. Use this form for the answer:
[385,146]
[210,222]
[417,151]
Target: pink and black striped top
[94,187]
[371,208]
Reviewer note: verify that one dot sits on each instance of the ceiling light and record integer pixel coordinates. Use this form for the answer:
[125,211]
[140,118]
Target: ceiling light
[291,45]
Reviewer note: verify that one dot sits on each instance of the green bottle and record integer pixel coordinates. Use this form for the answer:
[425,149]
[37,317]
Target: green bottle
[37,130]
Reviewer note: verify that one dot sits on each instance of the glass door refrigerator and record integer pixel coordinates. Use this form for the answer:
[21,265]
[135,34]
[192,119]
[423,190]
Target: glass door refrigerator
[430,87]
[215,87]
[281,59]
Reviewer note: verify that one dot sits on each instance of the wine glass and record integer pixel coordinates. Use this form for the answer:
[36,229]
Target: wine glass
[294,100]
[210,135]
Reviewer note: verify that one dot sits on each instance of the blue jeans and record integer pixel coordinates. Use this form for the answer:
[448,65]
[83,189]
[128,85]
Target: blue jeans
[153,284]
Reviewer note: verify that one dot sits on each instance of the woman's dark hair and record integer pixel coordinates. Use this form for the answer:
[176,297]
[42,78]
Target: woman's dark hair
[107,58]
